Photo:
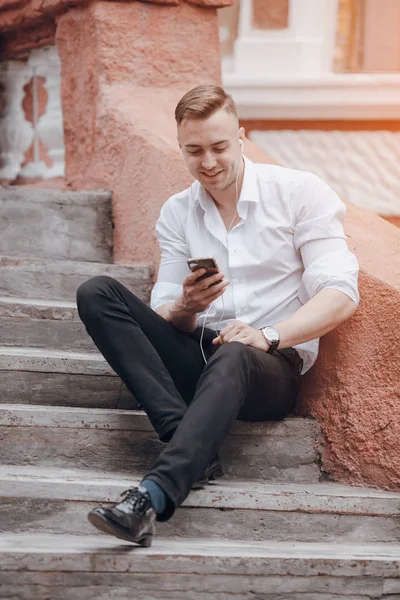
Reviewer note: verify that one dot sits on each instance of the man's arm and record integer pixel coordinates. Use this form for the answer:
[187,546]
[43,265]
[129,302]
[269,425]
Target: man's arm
[329,283]
[177,302]
[195,298]
[176,315]
[321,314]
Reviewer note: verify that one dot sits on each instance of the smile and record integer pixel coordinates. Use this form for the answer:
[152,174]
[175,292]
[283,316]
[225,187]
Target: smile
[212,176]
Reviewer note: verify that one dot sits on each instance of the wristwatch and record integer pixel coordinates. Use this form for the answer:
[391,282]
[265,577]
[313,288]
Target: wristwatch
[272,337]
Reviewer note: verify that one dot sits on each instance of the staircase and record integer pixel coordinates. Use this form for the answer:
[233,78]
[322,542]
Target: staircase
[71,438]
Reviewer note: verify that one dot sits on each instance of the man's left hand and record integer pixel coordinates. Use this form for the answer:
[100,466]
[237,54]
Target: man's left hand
[240,332]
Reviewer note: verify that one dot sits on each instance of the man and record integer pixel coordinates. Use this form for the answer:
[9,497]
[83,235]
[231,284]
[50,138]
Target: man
[233,344]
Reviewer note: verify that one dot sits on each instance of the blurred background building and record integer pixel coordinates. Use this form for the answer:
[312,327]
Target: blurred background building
[317,83]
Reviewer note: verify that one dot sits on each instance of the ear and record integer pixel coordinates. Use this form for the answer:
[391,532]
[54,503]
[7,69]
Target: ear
[242,134]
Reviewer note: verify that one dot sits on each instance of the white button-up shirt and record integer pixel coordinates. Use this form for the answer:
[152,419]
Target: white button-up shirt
[288,245]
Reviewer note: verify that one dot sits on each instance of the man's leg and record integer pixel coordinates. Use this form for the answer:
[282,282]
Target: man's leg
[158,363]
[238,381]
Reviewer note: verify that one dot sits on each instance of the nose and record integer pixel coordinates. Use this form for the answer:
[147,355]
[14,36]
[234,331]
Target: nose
[208,162]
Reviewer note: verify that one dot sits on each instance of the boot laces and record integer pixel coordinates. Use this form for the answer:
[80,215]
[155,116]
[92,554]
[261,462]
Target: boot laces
[137,500]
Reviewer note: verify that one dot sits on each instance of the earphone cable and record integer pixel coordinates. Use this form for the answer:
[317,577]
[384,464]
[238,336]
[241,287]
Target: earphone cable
[219,252]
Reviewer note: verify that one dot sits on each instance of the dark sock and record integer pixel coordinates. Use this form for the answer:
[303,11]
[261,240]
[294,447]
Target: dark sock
[157,495]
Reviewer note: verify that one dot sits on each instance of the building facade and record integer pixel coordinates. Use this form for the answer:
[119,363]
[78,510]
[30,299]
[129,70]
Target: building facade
[318,88]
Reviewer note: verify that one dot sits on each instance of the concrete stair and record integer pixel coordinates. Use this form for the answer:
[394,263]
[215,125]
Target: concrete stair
[64,225]
[56,500]
[41,279]
[43,324]
[54,377]
[124,441]
[70,439]
[69,567]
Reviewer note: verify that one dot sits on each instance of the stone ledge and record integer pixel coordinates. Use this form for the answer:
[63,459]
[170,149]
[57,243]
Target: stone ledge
[22,308]
[41,553]
[53,361]
[125,442]
[95,486]
[58,279]
[50,500]
[65,225]
[93,198]
[65,267]
[356,96]
[24,415]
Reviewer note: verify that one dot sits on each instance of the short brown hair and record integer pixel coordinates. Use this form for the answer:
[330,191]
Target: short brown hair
[202,101]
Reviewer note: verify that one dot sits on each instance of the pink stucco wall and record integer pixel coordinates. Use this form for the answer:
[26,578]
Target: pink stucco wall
[124,67]
[355,387]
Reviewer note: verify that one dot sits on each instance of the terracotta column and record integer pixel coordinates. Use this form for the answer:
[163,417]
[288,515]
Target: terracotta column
[124,67]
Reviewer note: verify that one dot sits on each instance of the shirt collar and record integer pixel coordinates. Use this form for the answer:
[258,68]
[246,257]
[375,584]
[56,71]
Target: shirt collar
[249,192]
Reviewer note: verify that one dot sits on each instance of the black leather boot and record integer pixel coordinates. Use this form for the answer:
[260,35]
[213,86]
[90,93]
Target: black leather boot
[132,519]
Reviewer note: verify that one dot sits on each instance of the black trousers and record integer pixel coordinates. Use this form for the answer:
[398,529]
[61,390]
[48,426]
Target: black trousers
[190,404]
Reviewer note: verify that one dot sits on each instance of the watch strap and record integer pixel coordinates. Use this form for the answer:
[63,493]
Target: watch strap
[271,345]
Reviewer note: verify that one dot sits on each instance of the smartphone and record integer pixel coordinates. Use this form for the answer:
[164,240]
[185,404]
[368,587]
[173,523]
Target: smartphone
[209,263]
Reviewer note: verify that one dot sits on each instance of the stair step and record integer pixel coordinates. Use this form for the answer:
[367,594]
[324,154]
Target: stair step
[35,308]
[43,376]
[54,500]
[45,333]
[53,361]
[125,442]
[46,324]
[65,225]
[54,377]
[58,280]
[92,567]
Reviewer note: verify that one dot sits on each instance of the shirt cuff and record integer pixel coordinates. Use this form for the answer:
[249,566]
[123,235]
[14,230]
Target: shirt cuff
[163,293]
[350,291]
[336,269]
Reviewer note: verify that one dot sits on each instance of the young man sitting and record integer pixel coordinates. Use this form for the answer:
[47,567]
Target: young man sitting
[231,345]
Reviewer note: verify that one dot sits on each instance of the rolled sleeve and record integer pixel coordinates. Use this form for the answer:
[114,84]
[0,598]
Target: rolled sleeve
[174,254]
[321,241]
[163,293]
[338,270]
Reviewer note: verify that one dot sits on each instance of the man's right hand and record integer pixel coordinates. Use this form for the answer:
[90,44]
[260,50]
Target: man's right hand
[198,295]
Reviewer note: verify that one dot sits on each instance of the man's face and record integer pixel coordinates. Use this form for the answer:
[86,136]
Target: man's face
[211,149]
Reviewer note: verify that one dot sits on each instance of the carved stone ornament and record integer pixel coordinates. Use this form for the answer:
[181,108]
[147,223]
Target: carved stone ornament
[45,62]
[16,133]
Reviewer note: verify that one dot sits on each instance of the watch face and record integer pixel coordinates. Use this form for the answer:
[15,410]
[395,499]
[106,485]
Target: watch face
[271,334]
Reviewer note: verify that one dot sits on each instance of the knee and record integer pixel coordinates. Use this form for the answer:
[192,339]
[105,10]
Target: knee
[89,293]
[232,353]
